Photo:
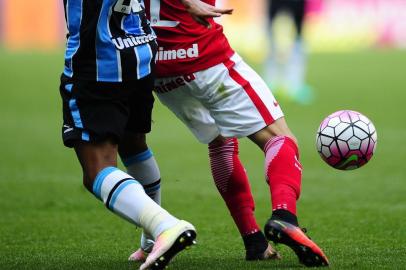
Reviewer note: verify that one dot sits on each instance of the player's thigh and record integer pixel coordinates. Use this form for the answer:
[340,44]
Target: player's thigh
[242,104]
[95,115]
[93,112]
[140,103]
[132,144]
[190,111]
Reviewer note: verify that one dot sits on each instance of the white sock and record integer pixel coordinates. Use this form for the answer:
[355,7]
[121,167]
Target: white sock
[296,67]
[125,196]
[144,168]
[147,243]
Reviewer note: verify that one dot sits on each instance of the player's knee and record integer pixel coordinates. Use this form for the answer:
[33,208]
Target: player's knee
[88,182]
[276,129]
[132,144]
[90,175]
[279,128]
[222,146]
[217,142]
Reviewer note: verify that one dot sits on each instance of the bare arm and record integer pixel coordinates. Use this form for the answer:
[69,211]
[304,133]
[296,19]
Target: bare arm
[201,11]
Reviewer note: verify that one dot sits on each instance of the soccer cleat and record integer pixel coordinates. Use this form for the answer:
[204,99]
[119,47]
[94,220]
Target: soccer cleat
[141,254]
[138,256]
[269,254]
[168,244]
[257,247]
[307,251]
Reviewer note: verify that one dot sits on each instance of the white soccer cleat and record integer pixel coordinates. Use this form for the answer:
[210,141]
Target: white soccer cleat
[142,253]
[170,243]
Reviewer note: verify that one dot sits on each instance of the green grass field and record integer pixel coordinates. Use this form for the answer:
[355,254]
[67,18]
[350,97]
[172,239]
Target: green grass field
[48,220]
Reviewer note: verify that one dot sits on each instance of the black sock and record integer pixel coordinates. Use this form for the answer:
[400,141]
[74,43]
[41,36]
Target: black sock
[285,215]
[255,245]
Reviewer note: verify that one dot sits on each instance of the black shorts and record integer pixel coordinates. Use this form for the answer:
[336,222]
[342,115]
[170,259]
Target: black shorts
[296,8]
[99,111]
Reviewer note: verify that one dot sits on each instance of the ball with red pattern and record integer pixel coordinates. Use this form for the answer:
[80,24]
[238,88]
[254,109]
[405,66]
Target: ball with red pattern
[346,140]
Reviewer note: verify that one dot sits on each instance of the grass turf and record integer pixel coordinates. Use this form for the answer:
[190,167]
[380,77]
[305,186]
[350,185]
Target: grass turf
[48,221]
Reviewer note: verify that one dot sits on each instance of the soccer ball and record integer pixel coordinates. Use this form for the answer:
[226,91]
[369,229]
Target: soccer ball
[346,140]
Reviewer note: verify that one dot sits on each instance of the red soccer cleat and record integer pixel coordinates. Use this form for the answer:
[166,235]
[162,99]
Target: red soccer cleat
[307,251]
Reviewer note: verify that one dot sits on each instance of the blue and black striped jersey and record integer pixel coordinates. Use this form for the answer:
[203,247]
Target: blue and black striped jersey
[108,40]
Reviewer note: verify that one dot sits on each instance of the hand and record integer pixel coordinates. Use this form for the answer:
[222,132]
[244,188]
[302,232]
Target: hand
[201,11]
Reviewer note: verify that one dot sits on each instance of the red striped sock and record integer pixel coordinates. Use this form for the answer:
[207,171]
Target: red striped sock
[284,172]
[232,182]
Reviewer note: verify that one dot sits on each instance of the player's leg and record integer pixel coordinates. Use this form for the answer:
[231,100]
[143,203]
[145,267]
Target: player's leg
[283,172]
[123,195]
[228,173]
[141,164]
[273,62]
[232,183]
[94,121]
[120,192]
[299,90]
[298,12]
[250,109]
[246,105]
[282,167]
[139,159]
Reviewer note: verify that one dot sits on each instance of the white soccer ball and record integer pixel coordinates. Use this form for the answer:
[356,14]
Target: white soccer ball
[346,140]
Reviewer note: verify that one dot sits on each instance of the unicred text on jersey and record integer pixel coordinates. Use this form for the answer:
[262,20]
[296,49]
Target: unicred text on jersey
[185,46]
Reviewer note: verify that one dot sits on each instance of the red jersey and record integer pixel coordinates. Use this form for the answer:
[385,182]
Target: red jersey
[185,46]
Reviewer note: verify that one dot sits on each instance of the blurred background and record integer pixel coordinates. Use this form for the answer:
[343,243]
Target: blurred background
[331,26]
[350,55]
[278,49]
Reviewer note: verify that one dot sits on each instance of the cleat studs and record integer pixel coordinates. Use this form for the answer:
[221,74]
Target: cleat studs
[194,242]
[156,264]
[181,240]
[187,247]
[188,234]
[162,258]
[279,235]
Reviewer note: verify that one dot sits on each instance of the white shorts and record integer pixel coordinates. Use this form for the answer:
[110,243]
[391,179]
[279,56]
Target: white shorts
[229,99]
